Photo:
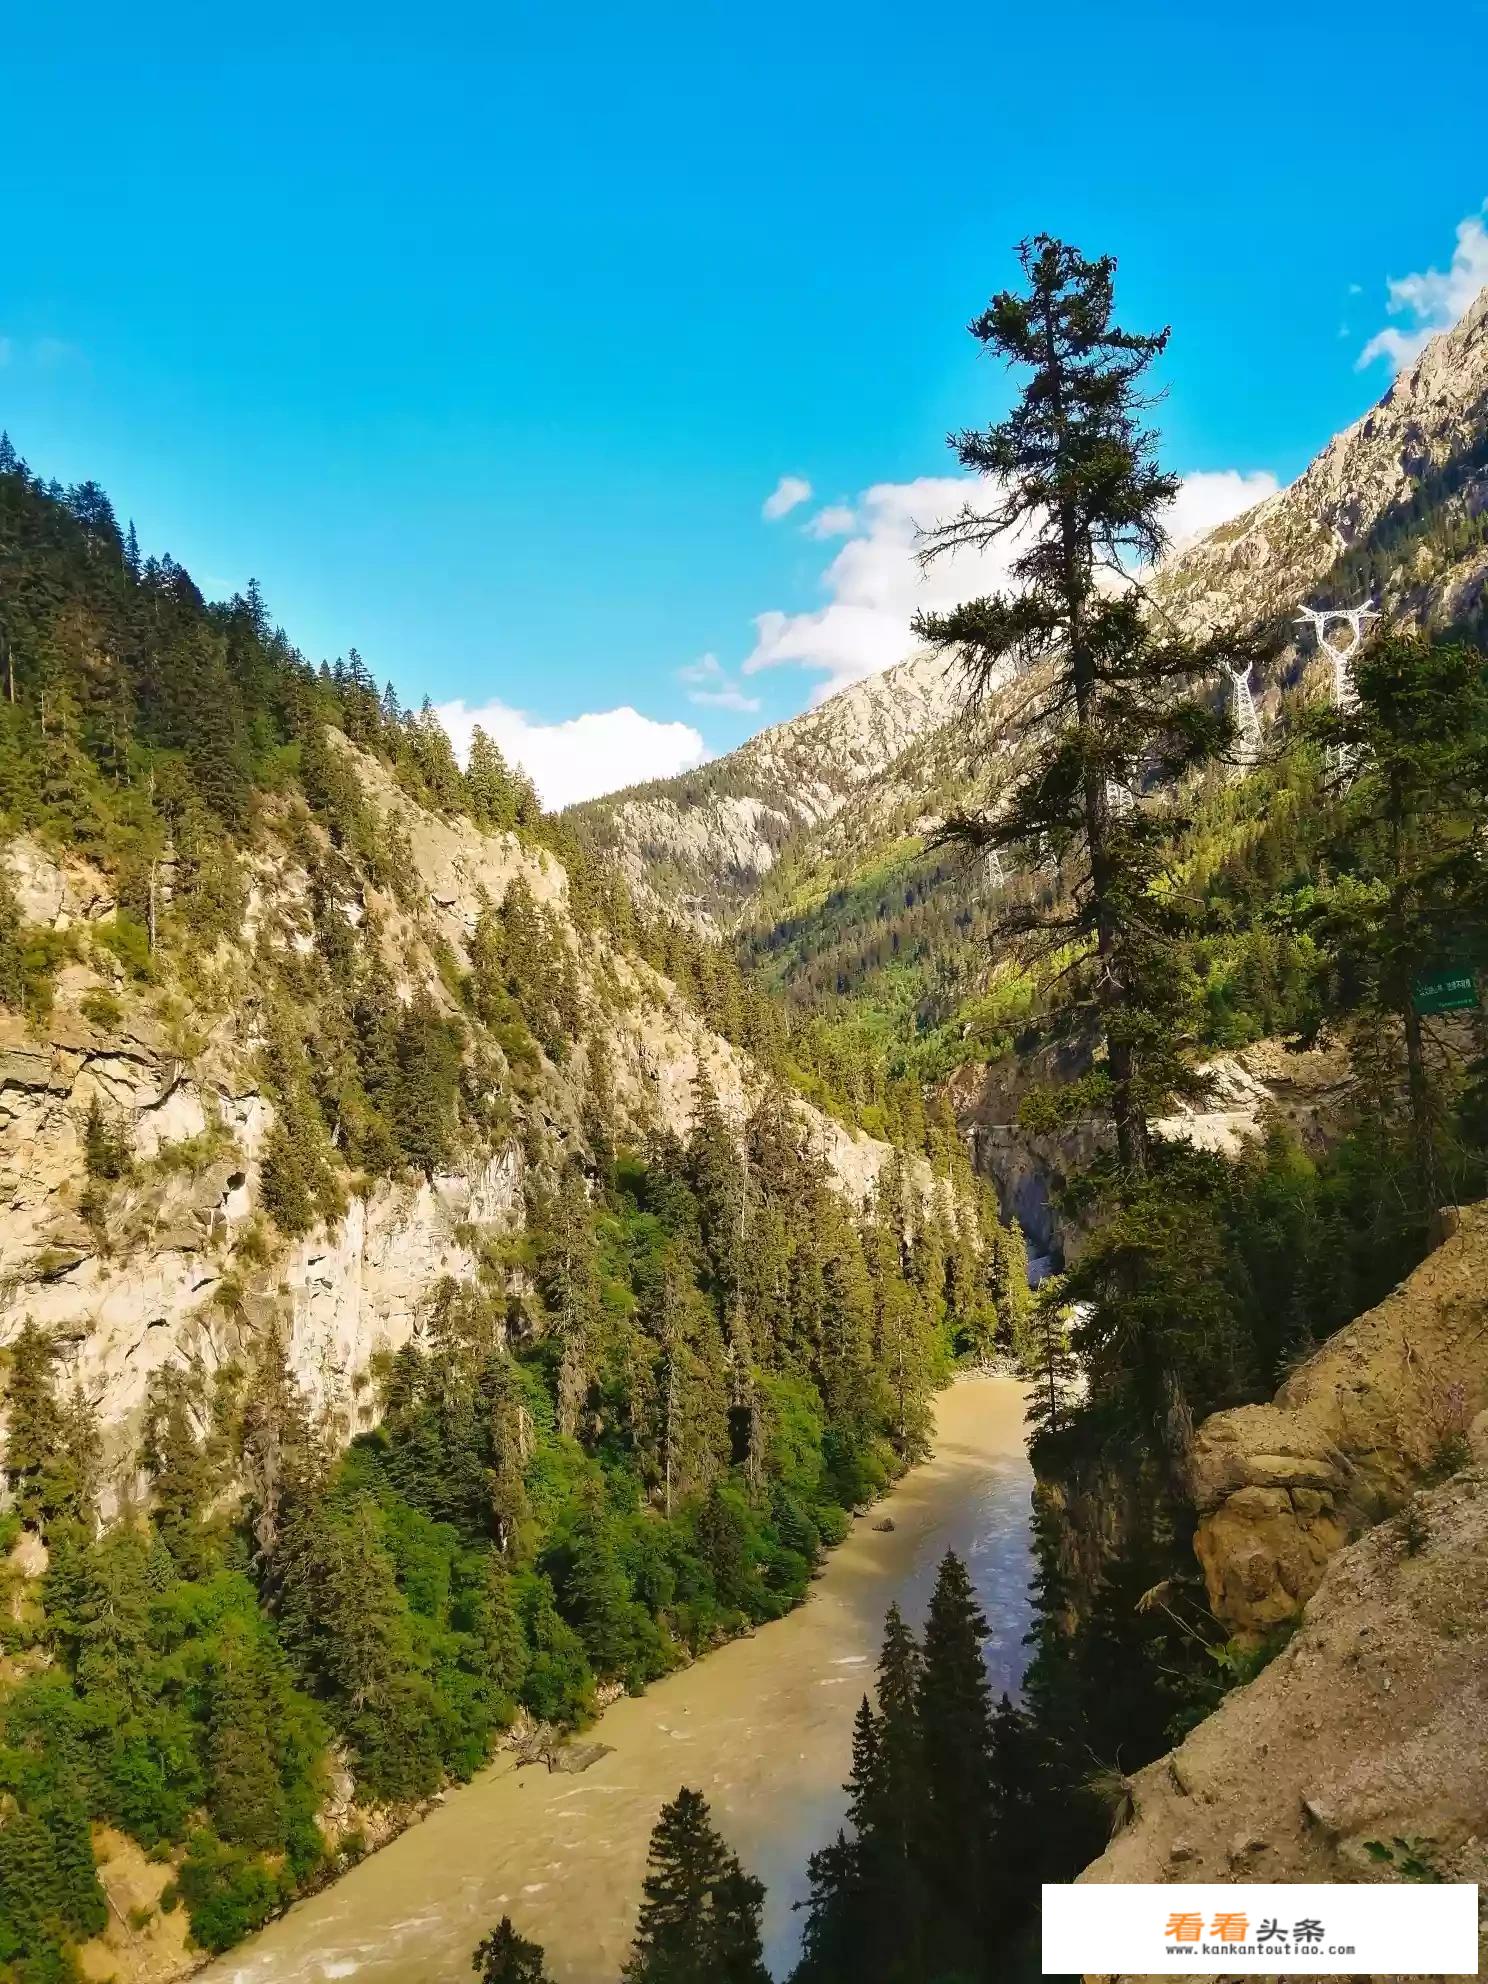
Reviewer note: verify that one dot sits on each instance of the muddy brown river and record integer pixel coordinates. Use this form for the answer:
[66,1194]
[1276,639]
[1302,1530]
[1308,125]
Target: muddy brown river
[762,1728]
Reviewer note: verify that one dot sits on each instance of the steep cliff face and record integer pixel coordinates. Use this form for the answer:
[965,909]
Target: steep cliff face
[1383,1406]
[1354,1509]
[174,1269]
[1374,510]
[1244,1093]
[1369,1729]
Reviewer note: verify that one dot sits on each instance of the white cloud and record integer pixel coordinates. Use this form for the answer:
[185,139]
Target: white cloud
[873,585]
[836,520]
[585,756]
[1212,497]
[1433,298]
[788,492]
[710,687]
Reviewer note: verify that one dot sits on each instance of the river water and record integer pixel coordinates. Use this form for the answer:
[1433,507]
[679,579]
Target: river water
[762,1727]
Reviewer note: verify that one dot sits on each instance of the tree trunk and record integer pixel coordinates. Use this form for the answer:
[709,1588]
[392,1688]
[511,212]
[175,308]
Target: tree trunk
[1419,1085]
[1131,1124]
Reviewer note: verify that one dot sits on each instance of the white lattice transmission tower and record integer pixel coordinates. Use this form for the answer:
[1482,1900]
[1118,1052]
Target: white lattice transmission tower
[1247,718]
[1322,619]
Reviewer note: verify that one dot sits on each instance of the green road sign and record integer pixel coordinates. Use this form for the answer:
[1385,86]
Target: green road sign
[1445,991]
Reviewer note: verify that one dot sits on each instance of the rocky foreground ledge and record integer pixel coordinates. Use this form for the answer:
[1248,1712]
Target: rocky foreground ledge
[1354,1507]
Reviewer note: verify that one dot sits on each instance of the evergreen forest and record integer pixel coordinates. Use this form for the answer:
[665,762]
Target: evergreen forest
[634,1432]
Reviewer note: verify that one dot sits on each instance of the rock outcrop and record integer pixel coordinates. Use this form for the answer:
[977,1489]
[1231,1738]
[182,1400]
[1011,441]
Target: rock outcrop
[1368,1730]
[1425,436]
[1382,1406]
[1353,1509]
[171,1272]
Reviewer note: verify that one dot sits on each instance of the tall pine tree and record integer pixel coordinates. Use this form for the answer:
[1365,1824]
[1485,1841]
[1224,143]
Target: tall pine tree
[1105,713]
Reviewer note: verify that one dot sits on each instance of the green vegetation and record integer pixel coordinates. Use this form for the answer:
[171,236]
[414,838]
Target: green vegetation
[1314,894]
[165,737]
[631,1434]
[700,1911]
[633,1438]
[504,1957]
[1309,899]
[634,1430]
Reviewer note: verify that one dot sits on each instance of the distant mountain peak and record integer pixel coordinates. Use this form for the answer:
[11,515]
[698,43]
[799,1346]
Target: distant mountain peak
[1395,508]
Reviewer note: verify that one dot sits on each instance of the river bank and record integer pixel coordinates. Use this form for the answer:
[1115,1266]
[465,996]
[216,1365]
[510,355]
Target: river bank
[761,1727]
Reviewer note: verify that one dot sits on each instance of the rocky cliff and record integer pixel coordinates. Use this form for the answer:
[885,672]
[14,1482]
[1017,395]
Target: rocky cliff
[1375,511]
[174,1268]
[1382,1407]
[1361,1753]
[701,844]
[1354,1508]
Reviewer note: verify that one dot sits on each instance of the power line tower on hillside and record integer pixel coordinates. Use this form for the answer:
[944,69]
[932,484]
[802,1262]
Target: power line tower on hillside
[1345,694]
[1247,718]
[1320,619]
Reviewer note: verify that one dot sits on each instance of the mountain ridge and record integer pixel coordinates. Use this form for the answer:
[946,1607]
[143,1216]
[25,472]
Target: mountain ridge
[1395,502]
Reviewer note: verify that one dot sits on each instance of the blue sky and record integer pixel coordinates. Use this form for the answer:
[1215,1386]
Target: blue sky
[481,335]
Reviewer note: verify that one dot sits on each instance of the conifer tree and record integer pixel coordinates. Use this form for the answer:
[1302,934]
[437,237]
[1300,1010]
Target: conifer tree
[1048,1364]
[504,1957]
[1106,710]
[508,1443]
[895,1800]
[954,1701]
[172,1455]
[12,946]
[33,1421]
[718,1180]
[427,1085]
[599,1591]
[498,1627]
[247,1798]
[699,1921]
[79,1896]
[105,1151]
[492,793]
[279,1453]
[569,1281]
[30,1893]
[1406,896]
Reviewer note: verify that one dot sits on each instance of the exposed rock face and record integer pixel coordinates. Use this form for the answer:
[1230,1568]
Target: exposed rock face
[902,744]
[1434,415]
[161,1287]
[1383,1405]
[1371,1725]
[1245,1093]
[165,1283]
[1260,1085]
[702,842]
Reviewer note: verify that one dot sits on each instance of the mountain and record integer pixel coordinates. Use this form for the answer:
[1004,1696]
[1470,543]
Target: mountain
[701,843]
[432,1292]
[849,912]
[1394,508]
